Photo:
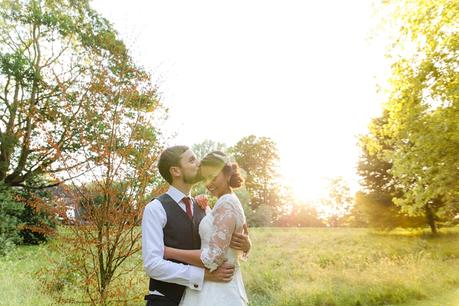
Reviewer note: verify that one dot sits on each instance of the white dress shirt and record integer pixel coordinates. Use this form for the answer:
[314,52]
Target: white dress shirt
[153,221]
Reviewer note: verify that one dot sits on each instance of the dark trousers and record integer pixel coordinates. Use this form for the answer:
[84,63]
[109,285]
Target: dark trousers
[157,300]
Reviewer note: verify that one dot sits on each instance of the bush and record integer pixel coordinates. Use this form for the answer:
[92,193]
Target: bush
[25,217]
[38,217]
[10,221]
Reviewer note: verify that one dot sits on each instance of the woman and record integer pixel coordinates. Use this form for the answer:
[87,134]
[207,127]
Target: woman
[216,229]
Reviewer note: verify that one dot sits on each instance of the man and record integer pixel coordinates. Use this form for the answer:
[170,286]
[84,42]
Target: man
[173,220]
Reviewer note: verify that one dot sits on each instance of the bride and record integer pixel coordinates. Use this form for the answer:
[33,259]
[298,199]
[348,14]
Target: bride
[216,229]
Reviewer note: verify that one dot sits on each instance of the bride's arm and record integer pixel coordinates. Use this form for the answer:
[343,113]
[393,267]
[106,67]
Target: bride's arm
[224,224]
[192,257]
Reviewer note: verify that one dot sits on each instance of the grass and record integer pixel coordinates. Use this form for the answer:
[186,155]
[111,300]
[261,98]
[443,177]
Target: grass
[297,266]
[350,267]
[18,283]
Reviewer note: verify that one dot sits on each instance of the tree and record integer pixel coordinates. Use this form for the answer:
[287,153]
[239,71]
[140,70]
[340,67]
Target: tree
[207,146]
[300,214]
[258,156]
[378,210]
[374,205]
[73,102]
[373,166]
[123,172]
[51,53]
[126,165]
[423,108]
[338,203]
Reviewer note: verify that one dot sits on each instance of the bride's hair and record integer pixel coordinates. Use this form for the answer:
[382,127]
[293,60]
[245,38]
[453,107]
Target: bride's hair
[230,169]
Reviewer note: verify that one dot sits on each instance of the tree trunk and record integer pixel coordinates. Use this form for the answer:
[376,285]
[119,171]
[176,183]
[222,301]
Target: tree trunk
[431,219]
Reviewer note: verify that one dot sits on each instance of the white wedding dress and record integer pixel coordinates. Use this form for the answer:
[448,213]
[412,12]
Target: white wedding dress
[216,229]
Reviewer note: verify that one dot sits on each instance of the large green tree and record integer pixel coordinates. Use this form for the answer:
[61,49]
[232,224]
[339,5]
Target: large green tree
[423,107]
[259,157]
[374,205]
[52,55]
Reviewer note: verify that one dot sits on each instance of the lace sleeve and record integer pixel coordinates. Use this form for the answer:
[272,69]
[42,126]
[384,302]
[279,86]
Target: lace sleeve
[224,224]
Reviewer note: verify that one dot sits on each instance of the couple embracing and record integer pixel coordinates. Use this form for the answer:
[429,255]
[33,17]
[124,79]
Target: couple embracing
[191,252]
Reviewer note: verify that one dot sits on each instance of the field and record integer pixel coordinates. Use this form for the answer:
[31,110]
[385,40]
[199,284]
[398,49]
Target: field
[290,266]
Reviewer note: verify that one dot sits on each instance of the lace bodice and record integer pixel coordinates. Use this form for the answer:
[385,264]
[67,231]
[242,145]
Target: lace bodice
[216,229]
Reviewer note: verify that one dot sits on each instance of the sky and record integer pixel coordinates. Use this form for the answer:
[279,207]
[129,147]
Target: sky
[303,73]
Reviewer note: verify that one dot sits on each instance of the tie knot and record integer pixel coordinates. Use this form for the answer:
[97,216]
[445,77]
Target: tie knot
[187,201]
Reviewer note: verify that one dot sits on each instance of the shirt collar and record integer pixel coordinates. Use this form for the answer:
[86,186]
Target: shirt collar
[176,194]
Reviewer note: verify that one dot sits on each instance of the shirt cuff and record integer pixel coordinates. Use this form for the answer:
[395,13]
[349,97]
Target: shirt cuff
[196,278]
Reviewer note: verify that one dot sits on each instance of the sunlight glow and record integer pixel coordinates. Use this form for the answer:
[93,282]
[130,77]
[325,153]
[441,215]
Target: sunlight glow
[300,72]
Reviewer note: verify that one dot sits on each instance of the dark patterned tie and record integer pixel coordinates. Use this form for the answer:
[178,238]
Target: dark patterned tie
[187,202]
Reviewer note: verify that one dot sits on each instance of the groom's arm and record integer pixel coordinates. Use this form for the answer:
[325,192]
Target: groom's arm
[240,241]
[153,221]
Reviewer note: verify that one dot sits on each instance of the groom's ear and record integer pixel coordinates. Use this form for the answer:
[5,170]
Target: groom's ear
[175,171]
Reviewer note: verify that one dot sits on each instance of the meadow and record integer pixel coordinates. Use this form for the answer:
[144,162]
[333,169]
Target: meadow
[289,266]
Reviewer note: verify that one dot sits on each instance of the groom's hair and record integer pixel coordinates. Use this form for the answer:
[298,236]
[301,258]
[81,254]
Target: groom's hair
[170,157]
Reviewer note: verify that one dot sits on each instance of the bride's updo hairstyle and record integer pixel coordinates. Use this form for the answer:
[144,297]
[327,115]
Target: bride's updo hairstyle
[220,160]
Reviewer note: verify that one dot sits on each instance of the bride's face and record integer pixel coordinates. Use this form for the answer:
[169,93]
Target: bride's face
[215,180]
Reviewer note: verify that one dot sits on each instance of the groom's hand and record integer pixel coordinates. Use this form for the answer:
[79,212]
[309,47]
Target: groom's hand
[224,273]
[240,241]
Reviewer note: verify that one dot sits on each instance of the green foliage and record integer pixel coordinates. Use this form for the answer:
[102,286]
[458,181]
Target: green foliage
[300,214]
[10,222]
[27,217]
[423,108]
[262,195]
[411,154]
[73,102]
[62,68]
[374,166]
[124,171]
[378,211]
[38,225]
[375,206]
[39,216]
[262,216]
[207,146]
[338,202]
[259,157]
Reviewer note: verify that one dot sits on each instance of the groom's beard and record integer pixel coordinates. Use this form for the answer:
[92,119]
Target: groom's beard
[193,179]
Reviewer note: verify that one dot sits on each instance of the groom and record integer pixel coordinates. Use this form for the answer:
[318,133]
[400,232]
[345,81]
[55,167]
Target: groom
[173,220]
